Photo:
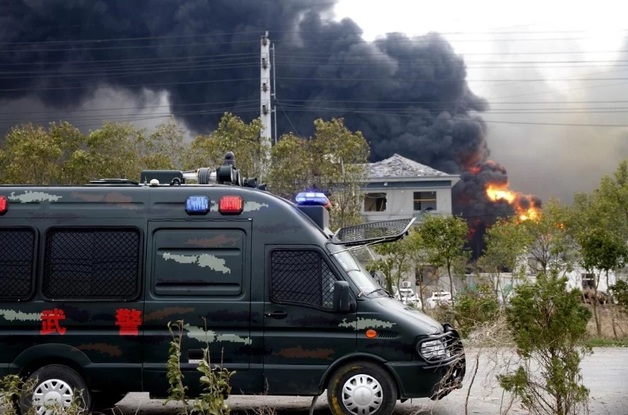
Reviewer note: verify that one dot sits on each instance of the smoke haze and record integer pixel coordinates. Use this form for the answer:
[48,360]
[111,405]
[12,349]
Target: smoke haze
[198,59]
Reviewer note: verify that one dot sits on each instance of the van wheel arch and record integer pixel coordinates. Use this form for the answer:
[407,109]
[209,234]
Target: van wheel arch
[362,387]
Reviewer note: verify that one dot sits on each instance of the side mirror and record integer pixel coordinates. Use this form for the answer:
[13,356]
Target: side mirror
[343,298]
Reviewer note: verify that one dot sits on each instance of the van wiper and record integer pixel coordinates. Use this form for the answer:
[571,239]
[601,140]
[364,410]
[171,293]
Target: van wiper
[363,294]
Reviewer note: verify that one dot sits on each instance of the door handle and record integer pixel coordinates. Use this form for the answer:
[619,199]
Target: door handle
[277,314]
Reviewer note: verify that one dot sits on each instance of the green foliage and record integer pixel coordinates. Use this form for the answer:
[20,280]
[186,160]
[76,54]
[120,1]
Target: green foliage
[338,156]
[393,262]
[177,390]
[233,135]
[216,388]
[605,342]
[214,381]
[550,248]
[164,148]
[506,243]
[34,155]
[290,172]
[11,389]
[548,324]
[475,306]
[332,161]
[444,238]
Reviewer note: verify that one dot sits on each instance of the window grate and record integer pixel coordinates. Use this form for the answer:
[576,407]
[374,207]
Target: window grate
[92,264]
[17,251]
[301,277]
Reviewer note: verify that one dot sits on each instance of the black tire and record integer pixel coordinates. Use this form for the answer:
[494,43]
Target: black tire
[55,384]
[361,388]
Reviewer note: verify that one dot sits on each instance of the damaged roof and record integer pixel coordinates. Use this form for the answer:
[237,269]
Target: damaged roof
[400,167]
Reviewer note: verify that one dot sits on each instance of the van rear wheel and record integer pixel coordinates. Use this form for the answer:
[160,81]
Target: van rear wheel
[361,388]
[55,387]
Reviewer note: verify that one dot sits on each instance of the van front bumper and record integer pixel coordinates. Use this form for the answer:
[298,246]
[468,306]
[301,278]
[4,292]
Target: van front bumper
[434,378]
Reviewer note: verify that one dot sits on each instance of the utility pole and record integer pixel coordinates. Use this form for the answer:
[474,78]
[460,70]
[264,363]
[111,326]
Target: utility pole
[265,101]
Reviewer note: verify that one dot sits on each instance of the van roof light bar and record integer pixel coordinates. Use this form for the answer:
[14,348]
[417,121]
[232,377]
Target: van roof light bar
[373,232]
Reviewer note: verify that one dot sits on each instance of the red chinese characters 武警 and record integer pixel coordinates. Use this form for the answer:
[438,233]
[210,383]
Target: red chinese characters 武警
[129,321]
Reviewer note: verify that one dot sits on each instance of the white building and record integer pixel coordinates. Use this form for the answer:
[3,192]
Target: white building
[399,188]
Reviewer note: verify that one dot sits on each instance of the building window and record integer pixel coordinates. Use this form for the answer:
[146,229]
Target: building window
[375,202]
[424,201]
[588,281]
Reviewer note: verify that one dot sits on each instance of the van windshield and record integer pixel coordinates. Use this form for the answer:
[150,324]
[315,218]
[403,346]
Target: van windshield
[354,268]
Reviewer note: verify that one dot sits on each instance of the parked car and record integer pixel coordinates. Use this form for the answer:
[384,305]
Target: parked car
[408,297]
[439,298]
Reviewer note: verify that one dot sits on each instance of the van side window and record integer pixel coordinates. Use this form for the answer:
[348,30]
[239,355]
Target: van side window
[17,256]
[301,277]
[89,263]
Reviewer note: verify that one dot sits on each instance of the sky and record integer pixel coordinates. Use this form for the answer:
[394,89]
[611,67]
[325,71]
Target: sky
[553,72]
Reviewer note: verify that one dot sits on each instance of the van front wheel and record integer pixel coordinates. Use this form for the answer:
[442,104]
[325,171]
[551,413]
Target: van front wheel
[55,386]
[361,388]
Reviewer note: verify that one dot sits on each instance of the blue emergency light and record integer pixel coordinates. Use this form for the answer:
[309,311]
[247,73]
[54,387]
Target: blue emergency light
[312,199]
[197,205]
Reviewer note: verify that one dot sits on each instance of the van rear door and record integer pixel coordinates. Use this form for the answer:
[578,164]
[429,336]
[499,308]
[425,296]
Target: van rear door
[199,273]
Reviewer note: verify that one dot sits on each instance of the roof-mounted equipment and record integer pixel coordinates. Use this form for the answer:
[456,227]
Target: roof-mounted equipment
[225,174]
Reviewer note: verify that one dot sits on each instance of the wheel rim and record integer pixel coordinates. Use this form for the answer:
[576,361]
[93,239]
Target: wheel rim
[52,393]
[362,395]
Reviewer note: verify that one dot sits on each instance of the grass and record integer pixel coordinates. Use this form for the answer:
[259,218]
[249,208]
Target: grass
[606,342]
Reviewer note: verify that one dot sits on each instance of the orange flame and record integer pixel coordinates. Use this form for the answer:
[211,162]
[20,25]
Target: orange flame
[524,206]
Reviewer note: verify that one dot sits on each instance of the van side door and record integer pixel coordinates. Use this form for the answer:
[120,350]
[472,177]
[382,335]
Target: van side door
[198,273]
[303,334]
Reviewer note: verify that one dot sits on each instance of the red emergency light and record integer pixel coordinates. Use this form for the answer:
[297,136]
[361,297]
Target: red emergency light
[230,205]
[4,204]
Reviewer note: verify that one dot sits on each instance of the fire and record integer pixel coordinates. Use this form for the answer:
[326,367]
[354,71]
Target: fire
[525,206]
[496,193]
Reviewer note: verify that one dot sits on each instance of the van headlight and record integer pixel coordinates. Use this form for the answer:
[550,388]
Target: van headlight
[432,349]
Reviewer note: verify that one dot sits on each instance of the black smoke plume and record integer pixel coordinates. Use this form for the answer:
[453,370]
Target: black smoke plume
[406,95]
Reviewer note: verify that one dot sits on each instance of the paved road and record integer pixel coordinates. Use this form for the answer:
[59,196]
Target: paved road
[605,373]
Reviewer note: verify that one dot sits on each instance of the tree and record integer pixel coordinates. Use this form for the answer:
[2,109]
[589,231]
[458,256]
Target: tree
[418,259]
[233,135]
[394,261]
[164,148]
[33,155]
[331,162]
[506,244]
[548,324]
[444,238]
[111,153]
[290,168]
[338,157]
[550,248]
[598,223]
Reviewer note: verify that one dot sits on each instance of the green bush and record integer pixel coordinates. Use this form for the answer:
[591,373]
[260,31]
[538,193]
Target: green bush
[548,324]
[475,306]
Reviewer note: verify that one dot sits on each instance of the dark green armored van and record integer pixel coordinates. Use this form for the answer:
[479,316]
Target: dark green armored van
[91,276]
